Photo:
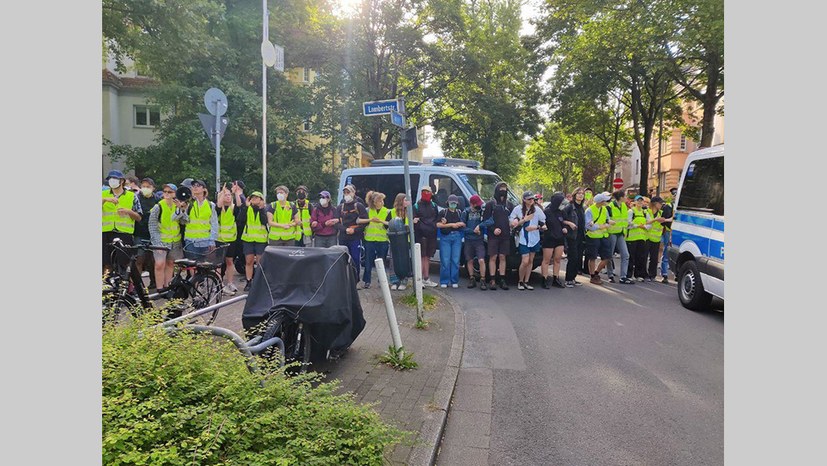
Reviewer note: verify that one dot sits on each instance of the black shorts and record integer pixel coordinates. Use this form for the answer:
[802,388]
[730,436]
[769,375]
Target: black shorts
[427,244]
[474,248]
[256,249]
[231,251]
[551,243]
[598,247]
[499,244]
[108,237]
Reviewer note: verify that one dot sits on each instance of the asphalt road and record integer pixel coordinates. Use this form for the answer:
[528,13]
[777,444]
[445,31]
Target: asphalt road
[596,375]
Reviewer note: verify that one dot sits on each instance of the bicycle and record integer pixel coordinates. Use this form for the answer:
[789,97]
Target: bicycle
[196,282]
[295,335]
[123,287]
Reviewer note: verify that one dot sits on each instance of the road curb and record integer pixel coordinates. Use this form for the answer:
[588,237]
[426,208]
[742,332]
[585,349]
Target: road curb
[427,443]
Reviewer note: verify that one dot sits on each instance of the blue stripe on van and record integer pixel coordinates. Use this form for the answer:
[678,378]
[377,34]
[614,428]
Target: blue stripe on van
[711,248]
[716,224]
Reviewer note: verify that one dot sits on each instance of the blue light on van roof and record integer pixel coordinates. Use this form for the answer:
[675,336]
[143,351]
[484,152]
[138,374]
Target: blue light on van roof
[439,162]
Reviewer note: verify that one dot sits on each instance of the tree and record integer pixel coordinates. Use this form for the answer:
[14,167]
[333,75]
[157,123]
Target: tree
[559,160]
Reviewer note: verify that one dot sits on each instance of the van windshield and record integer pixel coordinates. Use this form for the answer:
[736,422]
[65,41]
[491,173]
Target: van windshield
[484,186]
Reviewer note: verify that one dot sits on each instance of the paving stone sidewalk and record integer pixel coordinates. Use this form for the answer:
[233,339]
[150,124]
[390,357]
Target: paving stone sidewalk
[414,400]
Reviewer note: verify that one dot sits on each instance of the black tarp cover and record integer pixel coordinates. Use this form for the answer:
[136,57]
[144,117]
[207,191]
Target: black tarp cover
[317,286]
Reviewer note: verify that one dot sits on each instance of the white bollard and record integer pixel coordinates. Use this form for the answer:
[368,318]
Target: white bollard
[386,293]
[418,281]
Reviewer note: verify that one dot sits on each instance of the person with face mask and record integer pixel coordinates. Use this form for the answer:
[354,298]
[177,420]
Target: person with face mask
[120,209]
[474,240]
[304,233]
[554,240]
[450,243]
[588,201]
[527,220]
[165,230]
[400,210]
[376,233]
[619,212]
[146,196]
[425,213]
[350,231]
[227,234]
[282,217]
[636,236]
[323,222]
[252,222]
[495,219]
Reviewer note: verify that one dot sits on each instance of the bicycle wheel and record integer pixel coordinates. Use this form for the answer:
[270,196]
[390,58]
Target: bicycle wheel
[296,338]
[206,291]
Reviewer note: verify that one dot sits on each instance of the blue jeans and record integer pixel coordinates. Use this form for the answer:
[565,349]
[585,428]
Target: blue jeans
[354,248]
[373,250]
[450,248]
[665,239]
[618,243]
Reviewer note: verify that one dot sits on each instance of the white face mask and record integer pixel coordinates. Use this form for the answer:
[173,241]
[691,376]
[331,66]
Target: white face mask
[280,196]
[348,198]
[146,191]
[114,183]
[323,201]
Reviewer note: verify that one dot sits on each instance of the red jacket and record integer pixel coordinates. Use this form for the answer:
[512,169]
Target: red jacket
[322,214]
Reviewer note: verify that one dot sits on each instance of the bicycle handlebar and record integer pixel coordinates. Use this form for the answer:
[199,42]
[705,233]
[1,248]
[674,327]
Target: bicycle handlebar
[117,242]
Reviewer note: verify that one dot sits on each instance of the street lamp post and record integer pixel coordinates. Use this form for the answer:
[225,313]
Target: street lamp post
[265,38]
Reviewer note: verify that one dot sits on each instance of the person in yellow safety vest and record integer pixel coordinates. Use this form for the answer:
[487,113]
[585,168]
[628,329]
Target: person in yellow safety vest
[252,222]
[120,210]
[165,230]
[636,239]
[282,217]
[227,234]
[654,236]
[666,238]
[376,233]
[597,236]
[619,212]
[201,220]
[304,209]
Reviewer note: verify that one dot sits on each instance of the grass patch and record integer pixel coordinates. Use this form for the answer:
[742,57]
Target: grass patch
[398,359]
[428,300]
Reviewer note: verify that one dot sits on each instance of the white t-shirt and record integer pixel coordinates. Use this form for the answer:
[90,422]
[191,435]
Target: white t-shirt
[528,238]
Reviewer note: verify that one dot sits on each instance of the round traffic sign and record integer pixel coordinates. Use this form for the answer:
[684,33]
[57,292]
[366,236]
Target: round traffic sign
[617,183]
[268,53]
[215,101]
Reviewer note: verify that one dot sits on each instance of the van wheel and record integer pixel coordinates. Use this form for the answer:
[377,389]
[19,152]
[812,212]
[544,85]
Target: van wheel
[690,289]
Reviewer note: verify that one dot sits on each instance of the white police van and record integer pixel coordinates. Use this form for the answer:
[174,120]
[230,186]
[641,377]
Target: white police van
[444,175]
[697,251]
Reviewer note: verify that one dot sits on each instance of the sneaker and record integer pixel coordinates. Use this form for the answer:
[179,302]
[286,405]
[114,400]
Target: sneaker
[454,285]
[225,290]
[443,285]
[556,283]
[492,285]
[429,283]
[402,287]
[503,284]
[596,279]
[483,286]
[527,286]
[648,279]
[472,283]
[612,279]
[545,282]
[664,280]
[247,286]
[626,281]
[576,283]
[640,279]
[520,286]
[367,285]
[569,284]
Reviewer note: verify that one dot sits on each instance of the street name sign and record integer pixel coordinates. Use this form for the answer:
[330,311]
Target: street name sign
[380,107]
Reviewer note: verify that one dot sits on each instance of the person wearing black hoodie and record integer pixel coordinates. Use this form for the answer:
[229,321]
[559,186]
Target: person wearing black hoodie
[576,237]
[554,239]
[495,219]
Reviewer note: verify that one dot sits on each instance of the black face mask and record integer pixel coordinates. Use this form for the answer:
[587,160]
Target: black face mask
[302,195]
[502,193]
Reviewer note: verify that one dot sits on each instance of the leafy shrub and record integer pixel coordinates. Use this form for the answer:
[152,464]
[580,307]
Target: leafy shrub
[190,399]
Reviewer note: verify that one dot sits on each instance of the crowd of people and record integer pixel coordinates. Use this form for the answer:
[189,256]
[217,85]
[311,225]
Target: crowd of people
[588,230]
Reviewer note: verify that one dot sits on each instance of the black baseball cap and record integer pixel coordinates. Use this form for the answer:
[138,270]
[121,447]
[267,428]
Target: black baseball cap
[240,184]
[200,183]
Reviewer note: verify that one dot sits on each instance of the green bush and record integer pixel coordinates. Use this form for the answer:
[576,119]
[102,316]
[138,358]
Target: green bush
[190,399]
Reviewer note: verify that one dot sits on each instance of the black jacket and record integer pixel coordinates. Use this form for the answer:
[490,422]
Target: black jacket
[576,215]
[554,217]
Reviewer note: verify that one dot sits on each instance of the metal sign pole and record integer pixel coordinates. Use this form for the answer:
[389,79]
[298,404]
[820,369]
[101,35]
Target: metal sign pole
[217,148]
[265,34]
[407,173]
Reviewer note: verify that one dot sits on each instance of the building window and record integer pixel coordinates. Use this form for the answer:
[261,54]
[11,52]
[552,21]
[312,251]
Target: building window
[307,126]
[637,166]
[146,116]
[683,142]
[306,77]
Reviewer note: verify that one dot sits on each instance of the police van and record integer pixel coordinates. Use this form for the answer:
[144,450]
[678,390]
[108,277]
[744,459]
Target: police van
[444,175]
[696,254]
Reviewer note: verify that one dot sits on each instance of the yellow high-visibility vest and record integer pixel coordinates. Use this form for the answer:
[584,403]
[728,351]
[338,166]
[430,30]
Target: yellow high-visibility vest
[111,220]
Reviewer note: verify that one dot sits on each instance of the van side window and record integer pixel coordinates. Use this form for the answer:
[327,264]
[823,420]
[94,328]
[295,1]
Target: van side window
[443,186]
[703,186]
[389,185]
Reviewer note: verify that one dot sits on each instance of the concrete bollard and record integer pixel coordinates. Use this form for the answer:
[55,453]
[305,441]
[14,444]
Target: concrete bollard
[386,293]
